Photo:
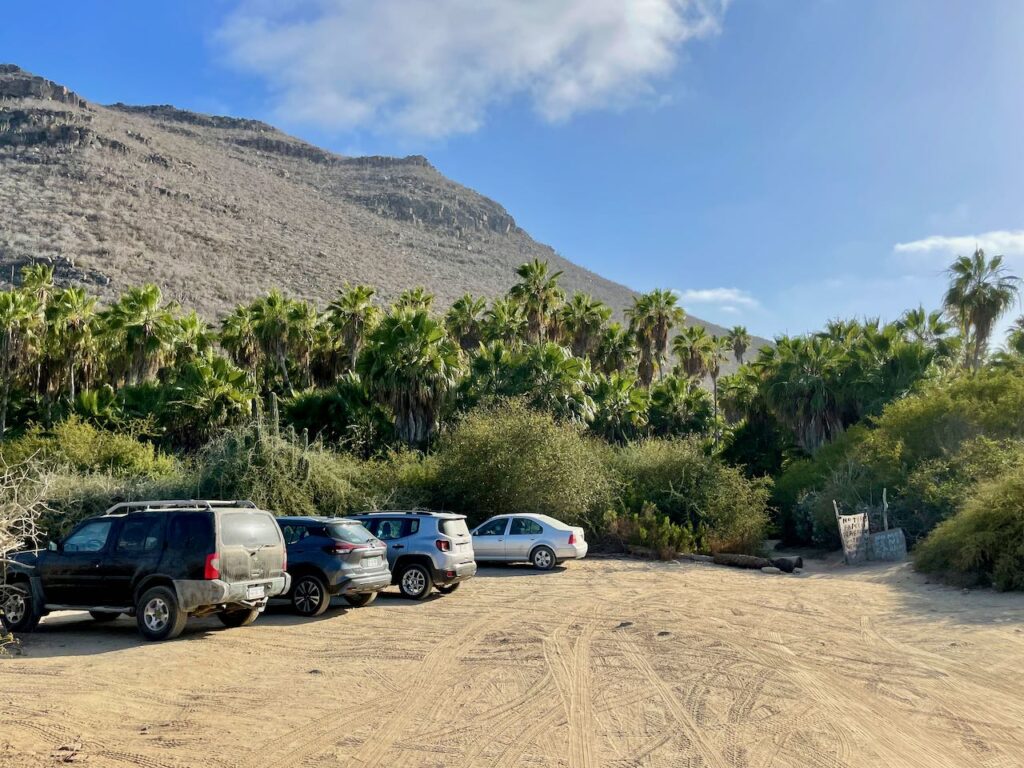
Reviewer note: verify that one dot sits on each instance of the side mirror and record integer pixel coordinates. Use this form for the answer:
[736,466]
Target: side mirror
[53,546]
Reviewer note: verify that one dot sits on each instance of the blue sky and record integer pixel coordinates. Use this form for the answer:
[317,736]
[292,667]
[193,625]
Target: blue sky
[778,163]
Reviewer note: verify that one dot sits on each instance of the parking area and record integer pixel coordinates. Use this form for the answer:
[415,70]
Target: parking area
[605,662]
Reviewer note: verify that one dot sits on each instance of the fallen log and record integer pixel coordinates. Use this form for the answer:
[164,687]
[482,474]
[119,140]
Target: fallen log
[741,561]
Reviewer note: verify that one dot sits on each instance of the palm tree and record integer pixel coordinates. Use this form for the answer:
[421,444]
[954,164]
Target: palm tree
[505,321]
[303,332]
[238,338]
[583,317]
[679,406]
[981,291]
[193,338]
[739,342]
[651,319]
[616,350]
[1015,339]
[621,407]
[141,330]
[349,317]
[70,323]
[717,353]
[410,364]
[556,381]
[20,317]
[213,393]
[272,317]
[414,298]
[693,349]
[539,294]
[464,321]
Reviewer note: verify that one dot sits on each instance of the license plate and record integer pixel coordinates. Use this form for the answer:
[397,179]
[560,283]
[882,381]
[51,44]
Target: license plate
[372,562]
[462,546]
[256,592]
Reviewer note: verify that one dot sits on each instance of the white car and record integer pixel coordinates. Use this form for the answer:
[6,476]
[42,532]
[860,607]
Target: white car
[536,539]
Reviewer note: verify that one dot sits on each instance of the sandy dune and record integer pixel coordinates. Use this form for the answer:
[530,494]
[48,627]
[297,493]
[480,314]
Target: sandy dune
[606,663]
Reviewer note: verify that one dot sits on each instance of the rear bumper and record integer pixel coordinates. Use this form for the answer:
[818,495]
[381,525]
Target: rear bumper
[193,594]
[572,551]
[374,581]
[455,572]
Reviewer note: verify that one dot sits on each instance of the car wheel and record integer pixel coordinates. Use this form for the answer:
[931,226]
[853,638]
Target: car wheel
[240,618]
[310,597]
[543,559]
[158,614]
[361,599]
[415,582]
[104,616]
[19,610]
[447,589]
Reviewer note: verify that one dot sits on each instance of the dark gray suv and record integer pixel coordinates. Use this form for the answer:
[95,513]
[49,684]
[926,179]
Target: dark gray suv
[332,556]
[425,549]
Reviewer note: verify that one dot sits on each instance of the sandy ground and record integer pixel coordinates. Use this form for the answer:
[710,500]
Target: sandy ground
[604,663]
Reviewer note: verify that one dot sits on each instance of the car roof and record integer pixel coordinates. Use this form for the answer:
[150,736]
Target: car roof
[411,512]
[285,519]
[553,522]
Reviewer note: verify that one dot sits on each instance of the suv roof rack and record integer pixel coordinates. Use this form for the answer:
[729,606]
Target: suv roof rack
[177,504]
[401,512]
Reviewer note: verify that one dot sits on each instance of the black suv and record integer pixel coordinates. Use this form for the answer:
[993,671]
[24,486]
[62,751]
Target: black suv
[161,561]
[332,556]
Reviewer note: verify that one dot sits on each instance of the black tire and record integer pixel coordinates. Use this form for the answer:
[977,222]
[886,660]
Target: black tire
[361,599]
[447,589]
[543,558]
[104,616]
[309,596]
[239,618]
[415,581]
[19,610]
[158,614]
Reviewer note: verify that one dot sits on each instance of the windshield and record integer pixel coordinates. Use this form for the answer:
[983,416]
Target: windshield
[352,533]
[454,528]
[249,529]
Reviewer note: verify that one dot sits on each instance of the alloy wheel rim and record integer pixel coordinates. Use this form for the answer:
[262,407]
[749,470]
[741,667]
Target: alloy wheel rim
[156,614]
[542,559]
[307,596]
[414,582]
[14,608]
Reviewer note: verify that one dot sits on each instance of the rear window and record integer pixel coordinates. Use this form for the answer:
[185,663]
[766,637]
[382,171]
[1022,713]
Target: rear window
[191,531]
[454,528]
[353,533]
[249,529]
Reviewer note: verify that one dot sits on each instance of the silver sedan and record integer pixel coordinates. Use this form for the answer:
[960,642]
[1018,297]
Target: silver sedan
[538,539]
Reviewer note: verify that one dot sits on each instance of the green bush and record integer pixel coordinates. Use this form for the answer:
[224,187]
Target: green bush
[508,458]
[655,531]
[81,447]
[728,511]
[984,542]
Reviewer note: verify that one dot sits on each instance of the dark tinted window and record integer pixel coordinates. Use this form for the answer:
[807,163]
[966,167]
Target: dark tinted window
[396,528]
[493,528]
[139,534]
[249,529]
[91,537]
[522,526]
[353,533]
[454,528]
[191,531]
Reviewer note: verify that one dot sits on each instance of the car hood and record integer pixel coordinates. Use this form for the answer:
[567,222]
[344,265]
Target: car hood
[27,557]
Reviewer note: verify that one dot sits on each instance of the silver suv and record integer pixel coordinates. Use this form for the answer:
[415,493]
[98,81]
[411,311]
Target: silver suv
[425,549]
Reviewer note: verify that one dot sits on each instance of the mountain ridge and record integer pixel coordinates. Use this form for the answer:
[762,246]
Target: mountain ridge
[218,209]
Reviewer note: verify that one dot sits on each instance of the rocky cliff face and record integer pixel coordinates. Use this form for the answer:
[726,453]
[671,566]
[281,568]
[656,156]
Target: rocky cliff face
[218,209]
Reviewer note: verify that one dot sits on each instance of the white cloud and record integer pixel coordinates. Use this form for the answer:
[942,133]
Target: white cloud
[725,299]
[1005,242]
[433,69]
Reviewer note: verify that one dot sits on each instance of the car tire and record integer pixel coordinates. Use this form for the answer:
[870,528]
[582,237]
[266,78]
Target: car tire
[19,611]
[104,616]
[543,558]
[447,589]
[239,618]
[158,614]
[310,596]
[415,581]
[361,599]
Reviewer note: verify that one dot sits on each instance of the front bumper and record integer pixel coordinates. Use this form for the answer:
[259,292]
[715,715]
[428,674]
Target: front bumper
[455,572]
[194,594]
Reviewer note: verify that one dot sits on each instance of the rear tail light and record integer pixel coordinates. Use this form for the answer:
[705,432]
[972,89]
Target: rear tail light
[212,568]
[444,545]
[341,548]
[572,537]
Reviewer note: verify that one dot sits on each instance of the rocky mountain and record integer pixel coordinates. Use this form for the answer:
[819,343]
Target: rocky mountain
[218,209]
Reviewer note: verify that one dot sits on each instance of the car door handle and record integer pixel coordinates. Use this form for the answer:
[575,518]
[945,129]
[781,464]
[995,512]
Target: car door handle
[97,563]
[398,546]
